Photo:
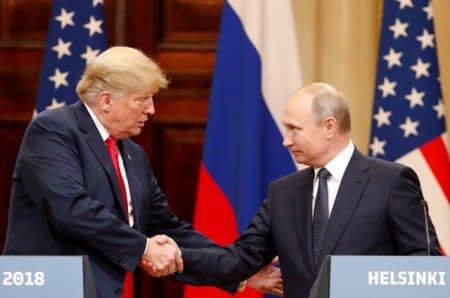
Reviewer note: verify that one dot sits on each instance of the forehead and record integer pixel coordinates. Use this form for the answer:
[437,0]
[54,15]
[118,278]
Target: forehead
[297,108]
[138,94]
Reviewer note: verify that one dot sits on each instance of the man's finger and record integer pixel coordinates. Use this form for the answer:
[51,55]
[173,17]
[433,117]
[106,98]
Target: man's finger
[162,239]
[179,264]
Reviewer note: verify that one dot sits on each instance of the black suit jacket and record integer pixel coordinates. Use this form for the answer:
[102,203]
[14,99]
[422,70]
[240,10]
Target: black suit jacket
[377,212]
[65,200]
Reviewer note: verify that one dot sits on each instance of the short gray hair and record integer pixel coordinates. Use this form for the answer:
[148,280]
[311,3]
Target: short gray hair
[326,102]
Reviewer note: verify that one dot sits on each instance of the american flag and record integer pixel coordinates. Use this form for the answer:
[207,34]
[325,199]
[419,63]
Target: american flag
[408,124]
[76,35]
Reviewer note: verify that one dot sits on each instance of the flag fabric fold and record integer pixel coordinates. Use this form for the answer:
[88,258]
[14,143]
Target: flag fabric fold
[76,35]
[408,124]
[257,69]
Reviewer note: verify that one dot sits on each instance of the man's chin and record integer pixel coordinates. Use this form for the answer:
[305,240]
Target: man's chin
[135,132]
[299,159]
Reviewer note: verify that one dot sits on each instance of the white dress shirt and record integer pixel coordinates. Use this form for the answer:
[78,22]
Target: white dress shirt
[336,167]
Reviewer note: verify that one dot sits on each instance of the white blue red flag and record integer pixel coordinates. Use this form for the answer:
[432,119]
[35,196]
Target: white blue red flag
[408,123]
[76,35]
[257,69]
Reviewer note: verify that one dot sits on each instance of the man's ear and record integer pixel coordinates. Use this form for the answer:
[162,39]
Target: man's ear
[105,101]
[331,127]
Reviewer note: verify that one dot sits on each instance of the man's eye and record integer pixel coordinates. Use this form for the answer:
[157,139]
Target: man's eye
[142,99]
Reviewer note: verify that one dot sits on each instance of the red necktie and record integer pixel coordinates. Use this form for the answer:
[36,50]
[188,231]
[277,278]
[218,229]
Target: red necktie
[128,284]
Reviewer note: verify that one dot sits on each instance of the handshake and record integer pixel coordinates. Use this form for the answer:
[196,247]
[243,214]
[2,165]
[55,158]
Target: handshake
[162,257]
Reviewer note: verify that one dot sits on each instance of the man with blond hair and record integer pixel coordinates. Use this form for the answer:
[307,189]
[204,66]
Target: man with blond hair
[344,203]
[81,186]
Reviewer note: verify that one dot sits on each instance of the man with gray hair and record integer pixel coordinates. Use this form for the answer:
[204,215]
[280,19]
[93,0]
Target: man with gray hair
[344,203]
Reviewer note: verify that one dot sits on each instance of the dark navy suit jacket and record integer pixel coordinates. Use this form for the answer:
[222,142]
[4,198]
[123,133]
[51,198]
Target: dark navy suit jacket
[65,200]
[377,212]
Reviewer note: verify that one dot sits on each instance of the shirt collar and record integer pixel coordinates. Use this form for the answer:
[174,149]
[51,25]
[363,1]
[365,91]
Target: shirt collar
[339,163]
[101,129]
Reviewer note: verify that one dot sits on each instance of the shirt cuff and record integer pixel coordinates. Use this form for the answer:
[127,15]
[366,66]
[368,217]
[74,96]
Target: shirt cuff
[242,286]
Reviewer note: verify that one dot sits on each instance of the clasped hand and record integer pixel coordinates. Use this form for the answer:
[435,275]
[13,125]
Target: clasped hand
[161,257]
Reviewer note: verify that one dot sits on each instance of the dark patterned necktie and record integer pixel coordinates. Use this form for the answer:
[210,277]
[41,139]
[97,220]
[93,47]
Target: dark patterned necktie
[320,217]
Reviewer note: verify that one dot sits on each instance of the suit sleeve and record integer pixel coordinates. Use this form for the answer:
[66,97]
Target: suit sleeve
[233,263]
[407,217]
[49,167]
[159,219]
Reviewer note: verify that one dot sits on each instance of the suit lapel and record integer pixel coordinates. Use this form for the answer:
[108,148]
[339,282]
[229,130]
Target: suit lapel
[98,148]
[133,182]
[349,194]
[302,214]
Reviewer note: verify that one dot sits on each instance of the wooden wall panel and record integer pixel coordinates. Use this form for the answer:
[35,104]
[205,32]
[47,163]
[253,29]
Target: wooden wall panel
[182,150]
[189,62]
[10,136]
[22,35]
[24,20]
[179,34]
[19,75]
[191,21]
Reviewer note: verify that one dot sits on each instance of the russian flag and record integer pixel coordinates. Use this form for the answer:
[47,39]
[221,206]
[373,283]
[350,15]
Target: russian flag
[257,69]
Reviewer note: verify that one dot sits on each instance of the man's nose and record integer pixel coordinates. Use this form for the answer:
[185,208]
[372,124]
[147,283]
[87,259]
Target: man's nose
[287,141]
[150,108]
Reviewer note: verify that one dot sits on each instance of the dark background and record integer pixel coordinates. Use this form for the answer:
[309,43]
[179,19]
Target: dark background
[180,35]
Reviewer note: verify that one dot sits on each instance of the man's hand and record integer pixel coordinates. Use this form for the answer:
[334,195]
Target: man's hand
[162,257]
[268,280]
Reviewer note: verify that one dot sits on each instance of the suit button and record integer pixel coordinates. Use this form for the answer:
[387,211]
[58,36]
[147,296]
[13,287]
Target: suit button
[118,291]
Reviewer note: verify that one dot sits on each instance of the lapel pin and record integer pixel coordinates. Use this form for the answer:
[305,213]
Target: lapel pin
[129,157]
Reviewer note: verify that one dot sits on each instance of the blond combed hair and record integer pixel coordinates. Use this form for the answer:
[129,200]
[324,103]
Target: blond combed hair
[120,69]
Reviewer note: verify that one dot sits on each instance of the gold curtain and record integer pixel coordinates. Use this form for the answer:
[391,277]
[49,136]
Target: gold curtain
[338,41]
